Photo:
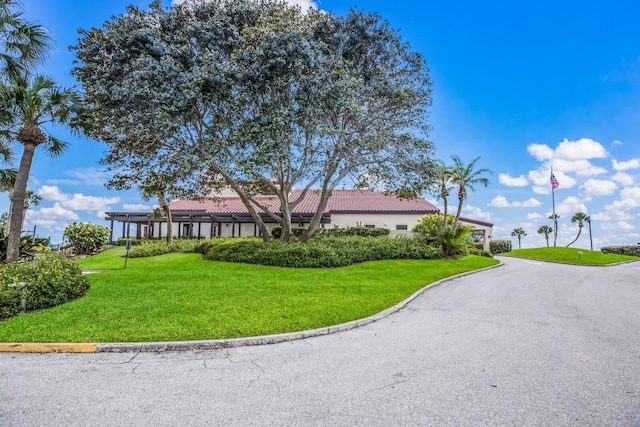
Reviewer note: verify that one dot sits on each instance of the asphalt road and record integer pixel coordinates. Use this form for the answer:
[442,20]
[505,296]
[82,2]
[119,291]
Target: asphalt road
[526,344]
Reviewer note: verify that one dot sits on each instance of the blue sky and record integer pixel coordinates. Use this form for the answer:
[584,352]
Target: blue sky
[522,84]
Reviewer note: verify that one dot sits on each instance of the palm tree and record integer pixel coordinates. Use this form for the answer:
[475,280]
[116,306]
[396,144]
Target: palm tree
[588,221]
[554,217]
[519,232]
[443,175]
[579,217]
[22,45]
[465,177]
[25,107]
[546,230]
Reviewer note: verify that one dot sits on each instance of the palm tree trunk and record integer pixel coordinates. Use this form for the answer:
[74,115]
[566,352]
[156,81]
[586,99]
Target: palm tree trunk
[577,237]
[17,203]
[167,212]
[460,201]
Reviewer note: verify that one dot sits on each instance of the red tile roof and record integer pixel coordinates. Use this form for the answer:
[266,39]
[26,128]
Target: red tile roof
[341,201]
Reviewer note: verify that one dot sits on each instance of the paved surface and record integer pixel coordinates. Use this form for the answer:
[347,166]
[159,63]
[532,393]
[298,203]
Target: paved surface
[527,344]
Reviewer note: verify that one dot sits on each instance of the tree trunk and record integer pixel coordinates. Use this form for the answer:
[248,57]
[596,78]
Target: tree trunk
[17,203]
[445,202]
[577,237]
[460,201]
[167,213]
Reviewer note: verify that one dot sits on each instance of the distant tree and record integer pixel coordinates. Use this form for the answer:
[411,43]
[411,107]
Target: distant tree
[546,230]
[465,177]
[519,232]
[30,198]
[257,95]
[25,107]
[588,221]
[578,217]
[555,218]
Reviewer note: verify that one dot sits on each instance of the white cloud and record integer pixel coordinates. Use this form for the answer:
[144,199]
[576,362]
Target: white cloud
[53,193]
[597,187]
[52,215]
[540,151]
[89,176]
[541,190]
[499,202]
[509,181]
[81,202]
[541,178]
[502,202]
[569,206]
[138,207]
[619,225]
[534,215]
[582,149]
[623,179]
[617,142]
[474,212]
[623,166]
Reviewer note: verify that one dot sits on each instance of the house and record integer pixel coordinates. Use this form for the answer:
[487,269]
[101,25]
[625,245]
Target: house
[226,215]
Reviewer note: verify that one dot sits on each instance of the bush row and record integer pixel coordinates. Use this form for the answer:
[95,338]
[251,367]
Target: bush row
[633,250]
[157,247]
[48,281]
[321,252]
[500,246]
[276,232]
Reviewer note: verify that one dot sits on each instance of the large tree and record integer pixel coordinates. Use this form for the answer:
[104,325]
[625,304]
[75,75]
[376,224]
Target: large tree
[258,96]
[25,108]
[519,232]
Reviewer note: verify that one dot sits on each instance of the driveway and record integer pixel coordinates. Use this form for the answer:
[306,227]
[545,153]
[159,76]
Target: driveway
[529,343]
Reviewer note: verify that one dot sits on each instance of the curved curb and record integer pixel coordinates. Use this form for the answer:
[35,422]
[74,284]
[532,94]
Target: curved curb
[568,263]
[224,343]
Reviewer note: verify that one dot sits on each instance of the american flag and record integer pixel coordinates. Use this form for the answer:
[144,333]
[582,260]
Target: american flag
[554,181]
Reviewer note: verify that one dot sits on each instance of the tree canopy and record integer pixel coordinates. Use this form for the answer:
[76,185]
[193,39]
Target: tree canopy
[258,97]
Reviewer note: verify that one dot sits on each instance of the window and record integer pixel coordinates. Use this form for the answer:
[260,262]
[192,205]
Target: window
[186,230]
[401,227]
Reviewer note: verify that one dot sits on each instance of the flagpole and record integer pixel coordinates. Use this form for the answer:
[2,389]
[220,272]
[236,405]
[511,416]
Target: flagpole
[555,218]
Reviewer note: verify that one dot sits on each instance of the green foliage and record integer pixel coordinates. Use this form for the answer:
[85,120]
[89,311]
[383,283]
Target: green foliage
[453,240]
[157,247]
[319,252]
[632,250]
[48,281]
[87,238]
[354,231]
[500,246]
[480,252]
[122,241]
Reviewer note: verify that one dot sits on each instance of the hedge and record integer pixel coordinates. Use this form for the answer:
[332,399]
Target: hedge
[500,246]
[347,231]
[48,281]
[157,247]
[321,252]
[633,250]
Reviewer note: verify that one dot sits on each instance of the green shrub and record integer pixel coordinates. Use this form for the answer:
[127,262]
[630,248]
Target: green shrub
[321,252]
[87,238]
[500,246]
[480,252]
[48,281]
[122,241]
[353,231]
[633,250]
[431,230]
[149,248]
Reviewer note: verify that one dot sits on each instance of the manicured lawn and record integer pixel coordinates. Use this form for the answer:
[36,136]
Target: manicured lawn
[181,297]
[570,256]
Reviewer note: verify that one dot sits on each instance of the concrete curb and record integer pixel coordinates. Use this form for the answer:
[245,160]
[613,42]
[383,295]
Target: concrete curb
[223,343]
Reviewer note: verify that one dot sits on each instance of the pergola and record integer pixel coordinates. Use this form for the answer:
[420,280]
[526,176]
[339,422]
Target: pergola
[195,219]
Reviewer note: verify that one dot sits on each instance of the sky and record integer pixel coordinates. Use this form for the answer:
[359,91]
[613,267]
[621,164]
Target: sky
[522,85]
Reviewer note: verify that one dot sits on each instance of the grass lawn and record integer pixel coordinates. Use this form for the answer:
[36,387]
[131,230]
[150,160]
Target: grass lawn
[182,297]
[570,256]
